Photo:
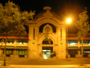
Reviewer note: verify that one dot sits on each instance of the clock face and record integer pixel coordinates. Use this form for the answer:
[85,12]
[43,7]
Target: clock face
[47,29]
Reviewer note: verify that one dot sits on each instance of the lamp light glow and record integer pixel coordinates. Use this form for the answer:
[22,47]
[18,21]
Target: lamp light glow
[69,20]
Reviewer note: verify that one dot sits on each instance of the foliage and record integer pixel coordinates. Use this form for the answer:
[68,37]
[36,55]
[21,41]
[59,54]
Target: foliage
[83,24]
[12,20]
[83,28]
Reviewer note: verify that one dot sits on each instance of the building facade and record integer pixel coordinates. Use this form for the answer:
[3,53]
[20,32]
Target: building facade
[46,29]
[47,38]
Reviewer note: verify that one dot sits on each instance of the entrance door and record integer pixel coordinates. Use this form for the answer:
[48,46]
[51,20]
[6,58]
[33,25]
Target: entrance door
[47,52]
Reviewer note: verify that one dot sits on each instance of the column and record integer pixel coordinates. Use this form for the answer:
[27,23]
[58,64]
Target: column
[36,32]
[78,55]
[30,38]
[2,42]
[78,43]
[39,51]
[60,34]
[36,42]
[3,46]
[32,43]
[64,41]
[61,43]
[1,52]
[14,51]
[58,43]
[55,49]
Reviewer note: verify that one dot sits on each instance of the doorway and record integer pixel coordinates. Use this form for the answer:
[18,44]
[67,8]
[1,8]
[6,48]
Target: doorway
[47,52]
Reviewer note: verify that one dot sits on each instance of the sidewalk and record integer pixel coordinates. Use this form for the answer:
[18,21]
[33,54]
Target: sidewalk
[46,66]
[45,63]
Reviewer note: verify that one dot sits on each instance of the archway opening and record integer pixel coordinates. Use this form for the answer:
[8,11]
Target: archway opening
[47,52]
[47,41]
[47,49]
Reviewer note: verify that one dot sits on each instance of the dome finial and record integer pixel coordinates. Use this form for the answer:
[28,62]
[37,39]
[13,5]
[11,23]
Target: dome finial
[47,8]
[47,13]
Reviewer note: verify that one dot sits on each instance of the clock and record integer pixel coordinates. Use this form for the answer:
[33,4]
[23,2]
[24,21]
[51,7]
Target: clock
[47,29]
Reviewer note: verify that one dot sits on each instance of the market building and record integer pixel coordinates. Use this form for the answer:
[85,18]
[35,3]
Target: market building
[47,38]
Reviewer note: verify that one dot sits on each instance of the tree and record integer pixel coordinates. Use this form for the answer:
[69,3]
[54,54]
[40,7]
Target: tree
[83,27]
[12,21]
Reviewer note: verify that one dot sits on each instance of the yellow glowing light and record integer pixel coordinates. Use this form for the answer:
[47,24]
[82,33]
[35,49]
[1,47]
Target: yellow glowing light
[69,20]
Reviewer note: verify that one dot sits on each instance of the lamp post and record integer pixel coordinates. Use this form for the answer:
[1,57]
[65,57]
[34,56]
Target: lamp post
[68,21]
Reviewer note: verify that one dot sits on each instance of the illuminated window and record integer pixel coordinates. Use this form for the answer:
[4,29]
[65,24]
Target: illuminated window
[22,41]
[21,52]
[72,42]
[85,42]
[9,52]
[10,41]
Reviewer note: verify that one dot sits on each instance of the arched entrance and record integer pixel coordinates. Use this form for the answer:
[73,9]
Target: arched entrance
[47,48]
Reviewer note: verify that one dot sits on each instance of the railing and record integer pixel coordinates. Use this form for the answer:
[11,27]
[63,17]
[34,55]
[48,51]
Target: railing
[26,44]
[80,45]
[13,44]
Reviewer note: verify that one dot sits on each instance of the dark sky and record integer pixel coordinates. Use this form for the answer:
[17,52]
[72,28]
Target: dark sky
[57,5]
[61,7]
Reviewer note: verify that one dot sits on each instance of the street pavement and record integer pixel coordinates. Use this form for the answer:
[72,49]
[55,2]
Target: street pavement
[45,63]
[45,66]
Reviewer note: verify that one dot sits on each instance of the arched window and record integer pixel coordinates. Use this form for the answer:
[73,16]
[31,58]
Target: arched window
[53,27]
[47,41]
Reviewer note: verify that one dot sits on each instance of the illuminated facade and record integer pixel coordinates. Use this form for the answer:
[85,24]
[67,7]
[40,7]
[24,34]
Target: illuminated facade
[46,39]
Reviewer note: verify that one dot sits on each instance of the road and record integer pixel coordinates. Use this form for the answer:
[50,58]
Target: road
[12,62]
[26,61]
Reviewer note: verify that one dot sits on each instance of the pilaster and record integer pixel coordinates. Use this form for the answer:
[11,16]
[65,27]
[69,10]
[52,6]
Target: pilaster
[61,43]
[32,43]
[78,55]
[1,52]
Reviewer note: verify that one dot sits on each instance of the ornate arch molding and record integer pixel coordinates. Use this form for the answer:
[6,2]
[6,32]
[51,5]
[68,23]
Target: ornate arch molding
[50,37]
[51,20]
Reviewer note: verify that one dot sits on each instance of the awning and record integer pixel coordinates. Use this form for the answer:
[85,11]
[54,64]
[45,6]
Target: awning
[21,47]
[76,47]
[12,47]
[73,47]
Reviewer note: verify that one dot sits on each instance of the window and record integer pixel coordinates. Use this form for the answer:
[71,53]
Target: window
[10,41]
[21,52]
[85,42]
[9,52]
[47,41]
[0,40]
[34,33]
[53,27]
[22,41]
[72,42]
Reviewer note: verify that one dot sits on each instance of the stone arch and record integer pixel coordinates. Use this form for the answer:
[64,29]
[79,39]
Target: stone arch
[41,28]
[50,36]
[47,41]
[51,20]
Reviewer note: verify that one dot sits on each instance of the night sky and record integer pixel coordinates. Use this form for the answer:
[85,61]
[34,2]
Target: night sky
[60,7]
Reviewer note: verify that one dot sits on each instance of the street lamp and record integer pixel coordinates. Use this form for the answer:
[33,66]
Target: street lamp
[68,21]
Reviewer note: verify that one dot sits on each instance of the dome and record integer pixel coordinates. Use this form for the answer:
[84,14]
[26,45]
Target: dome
[47,10]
